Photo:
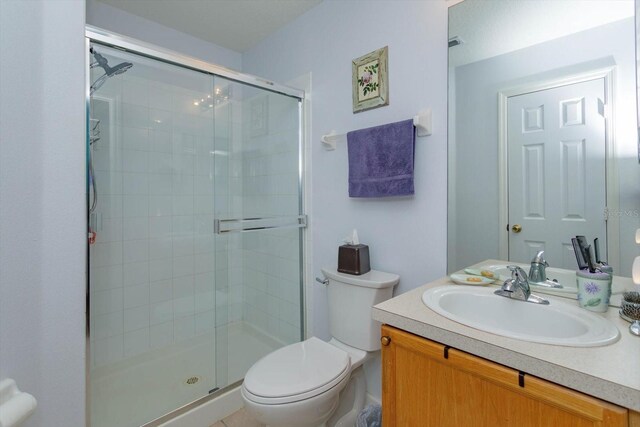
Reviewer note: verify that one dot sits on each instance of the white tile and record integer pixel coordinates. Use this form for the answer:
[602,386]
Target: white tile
[160,162]
[183,328]
[160,205]
[135,251]
[203,204]
[108,182]
[108,301]
[203,165]
[135,183]
[183,225]
[162,290]
[161,335]
[273,306]
[183,286]
[183,266]
[135,206]
[135,116]
[160,269]
[204,301]
[136,318]
[161,312]
[161,184]
[160,96]
[135,228]
[203,185]
[135,91]
[107,325]
[105,254]
[110,206]
[204,243]
[205,282]
[135,273]
[204,225]
[184,143]
[136,296]
[160,141]
[103,278]
[204,262]
[107,350]
[183,205]
[160,227]
[160,248]
[135,161]
[183,245]
[135,139]
[161,120]
[183,184]
[205,322]
[136,342]
[184,163]
[183,306]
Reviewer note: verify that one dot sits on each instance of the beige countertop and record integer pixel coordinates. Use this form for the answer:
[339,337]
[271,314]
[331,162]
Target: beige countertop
[611,373]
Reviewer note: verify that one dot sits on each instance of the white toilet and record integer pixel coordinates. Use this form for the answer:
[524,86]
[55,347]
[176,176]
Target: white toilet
[315,383]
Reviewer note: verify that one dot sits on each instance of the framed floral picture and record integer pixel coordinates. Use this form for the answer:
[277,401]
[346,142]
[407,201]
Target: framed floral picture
[370,80]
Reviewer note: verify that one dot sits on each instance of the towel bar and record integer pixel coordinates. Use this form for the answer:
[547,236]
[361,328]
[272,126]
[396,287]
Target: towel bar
[422,122]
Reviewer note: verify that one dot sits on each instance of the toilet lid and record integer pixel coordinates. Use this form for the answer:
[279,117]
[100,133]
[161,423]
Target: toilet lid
[297,369]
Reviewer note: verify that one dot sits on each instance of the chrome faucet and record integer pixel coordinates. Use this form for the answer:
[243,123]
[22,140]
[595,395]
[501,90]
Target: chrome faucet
[518,287]
[538,272]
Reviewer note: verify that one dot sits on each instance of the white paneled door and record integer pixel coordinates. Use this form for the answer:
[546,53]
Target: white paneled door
[556,155]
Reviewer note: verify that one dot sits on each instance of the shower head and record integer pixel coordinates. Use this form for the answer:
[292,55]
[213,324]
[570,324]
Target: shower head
[103,63]
[119,69]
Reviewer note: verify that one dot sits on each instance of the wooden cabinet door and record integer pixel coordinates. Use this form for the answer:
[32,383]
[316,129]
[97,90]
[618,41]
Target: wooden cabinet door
[420,387]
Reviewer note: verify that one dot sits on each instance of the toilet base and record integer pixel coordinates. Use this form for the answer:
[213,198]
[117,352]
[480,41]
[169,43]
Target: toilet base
[352,401]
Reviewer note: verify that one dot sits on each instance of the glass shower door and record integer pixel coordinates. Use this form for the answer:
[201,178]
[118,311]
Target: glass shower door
[258,220]
[152,260]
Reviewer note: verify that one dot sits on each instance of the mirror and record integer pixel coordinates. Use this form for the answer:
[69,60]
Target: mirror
[542,131]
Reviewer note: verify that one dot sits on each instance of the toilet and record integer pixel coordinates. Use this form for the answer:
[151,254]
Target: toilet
[316,383]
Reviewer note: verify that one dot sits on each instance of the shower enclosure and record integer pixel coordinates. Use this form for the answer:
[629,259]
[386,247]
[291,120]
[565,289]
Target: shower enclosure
[195,228]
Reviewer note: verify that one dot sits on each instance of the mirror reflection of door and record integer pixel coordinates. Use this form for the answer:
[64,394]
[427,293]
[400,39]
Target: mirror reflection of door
[556,145]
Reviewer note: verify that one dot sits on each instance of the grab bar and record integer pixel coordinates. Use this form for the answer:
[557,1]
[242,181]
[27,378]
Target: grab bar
[221,226]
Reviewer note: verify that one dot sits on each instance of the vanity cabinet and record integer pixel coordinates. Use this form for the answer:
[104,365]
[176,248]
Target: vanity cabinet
[425,383]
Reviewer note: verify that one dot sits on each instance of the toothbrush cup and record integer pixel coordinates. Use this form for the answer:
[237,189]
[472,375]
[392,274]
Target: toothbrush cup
[594,290]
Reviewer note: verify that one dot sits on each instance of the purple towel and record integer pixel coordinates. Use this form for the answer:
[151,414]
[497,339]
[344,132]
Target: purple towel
[381,160]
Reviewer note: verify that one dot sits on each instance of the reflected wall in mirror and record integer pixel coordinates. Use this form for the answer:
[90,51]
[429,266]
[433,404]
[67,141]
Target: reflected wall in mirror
[542,131]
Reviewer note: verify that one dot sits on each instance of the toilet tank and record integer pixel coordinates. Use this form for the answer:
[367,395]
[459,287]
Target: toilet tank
[350,301]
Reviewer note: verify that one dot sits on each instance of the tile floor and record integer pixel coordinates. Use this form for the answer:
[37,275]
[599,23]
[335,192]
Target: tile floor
[238,419]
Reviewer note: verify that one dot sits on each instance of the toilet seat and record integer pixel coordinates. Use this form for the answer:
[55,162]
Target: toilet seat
[296,372]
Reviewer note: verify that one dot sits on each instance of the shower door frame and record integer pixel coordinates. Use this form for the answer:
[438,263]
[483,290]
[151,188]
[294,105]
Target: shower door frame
[128,44]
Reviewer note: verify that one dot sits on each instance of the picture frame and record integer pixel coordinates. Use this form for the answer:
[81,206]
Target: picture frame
[370,80]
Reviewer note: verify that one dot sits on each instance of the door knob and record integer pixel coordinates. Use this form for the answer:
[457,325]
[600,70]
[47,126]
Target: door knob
[516,228]
[385,340]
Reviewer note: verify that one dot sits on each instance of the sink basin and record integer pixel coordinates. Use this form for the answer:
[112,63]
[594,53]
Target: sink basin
[558,323]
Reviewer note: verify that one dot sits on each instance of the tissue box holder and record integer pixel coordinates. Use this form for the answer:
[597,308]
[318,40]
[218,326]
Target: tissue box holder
[353,259]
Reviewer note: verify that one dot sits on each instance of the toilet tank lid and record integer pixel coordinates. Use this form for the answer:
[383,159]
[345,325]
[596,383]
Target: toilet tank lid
[372,279]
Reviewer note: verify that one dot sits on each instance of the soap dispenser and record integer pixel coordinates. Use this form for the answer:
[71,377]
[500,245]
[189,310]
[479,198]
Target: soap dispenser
[353,257]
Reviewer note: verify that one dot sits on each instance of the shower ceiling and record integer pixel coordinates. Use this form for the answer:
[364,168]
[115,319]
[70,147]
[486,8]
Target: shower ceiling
[237,25]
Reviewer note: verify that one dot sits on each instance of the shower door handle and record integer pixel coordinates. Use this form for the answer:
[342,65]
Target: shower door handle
[221,226]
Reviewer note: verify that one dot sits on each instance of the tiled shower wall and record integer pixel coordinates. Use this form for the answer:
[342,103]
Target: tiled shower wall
[158,275]
[271,258]
[154,262]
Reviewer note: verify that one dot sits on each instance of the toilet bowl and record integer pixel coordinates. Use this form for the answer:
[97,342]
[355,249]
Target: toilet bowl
[315,383]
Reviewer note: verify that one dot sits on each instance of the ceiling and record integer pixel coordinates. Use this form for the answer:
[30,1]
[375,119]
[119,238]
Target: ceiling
[491,28]
[235,24]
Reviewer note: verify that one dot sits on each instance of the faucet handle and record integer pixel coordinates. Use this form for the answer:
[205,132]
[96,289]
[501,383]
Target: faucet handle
[539,259]
[518,274]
